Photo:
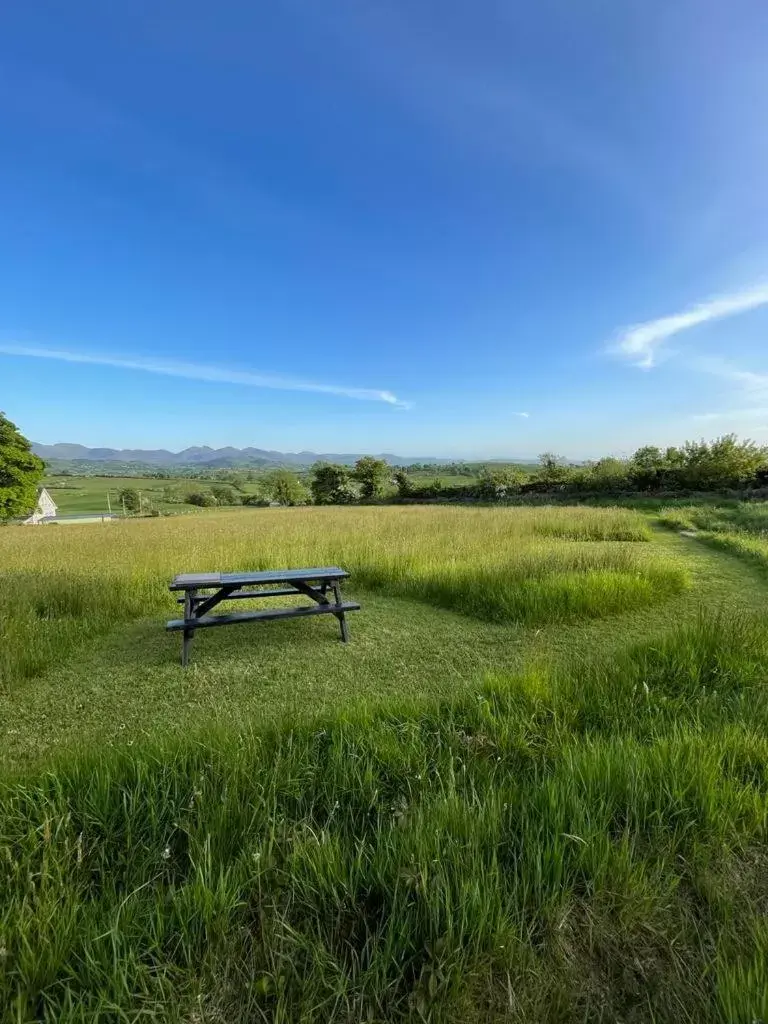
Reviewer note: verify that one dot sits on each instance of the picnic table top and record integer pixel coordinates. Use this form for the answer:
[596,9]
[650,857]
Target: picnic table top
[201,580]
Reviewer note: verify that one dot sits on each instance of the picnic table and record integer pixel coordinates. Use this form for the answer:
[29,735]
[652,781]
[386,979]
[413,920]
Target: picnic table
[203,591]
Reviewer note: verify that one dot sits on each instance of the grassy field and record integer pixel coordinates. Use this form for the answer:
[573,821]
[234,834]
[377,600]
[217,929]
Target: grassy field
[534,787]
[89,494]
[739,528]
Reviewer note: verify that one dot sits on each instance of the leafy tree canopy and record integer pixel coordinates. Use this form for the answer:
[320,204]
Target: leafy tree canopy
[20,471]
[331,484]
[286,488]
[372,475]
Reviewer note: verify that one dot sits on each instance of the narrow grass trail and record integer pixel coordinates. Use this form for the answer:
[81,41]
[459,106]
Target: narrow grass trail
[129,686]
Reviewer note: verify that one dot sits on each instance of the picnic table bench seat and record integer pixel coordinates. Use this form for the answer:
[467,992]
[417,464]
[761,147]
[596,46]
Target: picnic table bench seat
[204,591]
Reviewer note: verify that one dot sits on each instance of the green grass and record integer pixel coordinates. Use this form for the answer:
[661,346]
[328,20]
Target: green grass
[749,517]
[533,788]
[492,564]
[92,494]
[739,529]
[584,845]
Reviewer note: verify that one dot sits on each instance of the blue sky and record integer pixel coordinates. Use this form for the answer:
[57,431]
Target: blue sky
[464,229]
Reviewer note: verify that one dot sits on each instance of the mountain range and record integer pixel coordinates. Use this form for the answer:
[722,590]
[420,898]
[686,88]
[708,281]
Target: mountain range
[214,458]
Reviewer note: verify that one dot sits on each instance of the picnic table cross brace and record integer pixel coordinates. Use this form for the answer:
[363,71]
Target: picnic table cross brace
[235,586]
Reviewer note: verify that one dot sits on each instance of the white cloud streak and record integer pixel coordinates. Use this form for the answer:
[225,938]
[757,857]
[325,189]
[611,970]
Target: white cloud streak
[640,343]
[749,382]
[733,415]
[522,415]
[197,371]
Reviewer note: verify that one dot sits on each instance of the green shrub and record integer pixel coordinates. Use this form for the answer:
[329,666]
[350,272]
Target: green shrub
[204,499]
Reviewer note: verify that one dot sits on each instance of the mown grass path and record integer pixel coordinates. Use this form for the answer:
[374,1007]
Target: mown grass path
[129,685]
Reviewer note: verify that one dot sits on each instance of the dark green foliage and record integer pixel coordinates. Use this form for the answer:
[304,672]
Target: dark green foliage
[725,463]
[553,469]
[285,488]
[130,500]
[646,468]
[372,475]
[331,484]
[20,472]
[225,495]
[498,483]
[203,499]
[403,483]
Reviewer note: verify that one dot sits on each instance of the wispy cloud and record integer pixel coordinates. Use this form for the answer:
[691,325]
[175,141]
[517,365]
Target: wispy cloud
[750,387]
[733,415]
[748,381]
[522,415]
[640,343]
[198,371]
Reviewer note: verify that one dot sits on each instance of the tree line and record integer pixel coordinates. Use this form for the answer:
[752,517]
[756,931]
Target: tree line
[725,464]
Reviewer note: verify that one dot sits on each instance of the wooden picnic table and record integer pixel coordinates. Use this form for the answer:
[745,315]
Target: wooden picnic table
[204,590]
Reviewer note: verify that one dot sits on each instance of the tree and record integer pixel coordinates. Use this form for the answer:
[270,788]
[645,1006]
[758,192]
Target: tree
[553,469]
[286,488]
[403,484]
[723,463]
[330,484]
[20,471]
[498,482]
[607,474]
[129,499]
[372,475]
[224,495]
[646,467]
[203,499]
[237,480]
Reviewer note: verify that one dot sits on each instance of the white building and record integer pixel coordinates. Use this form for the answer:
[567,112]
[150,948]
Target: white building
[45,509]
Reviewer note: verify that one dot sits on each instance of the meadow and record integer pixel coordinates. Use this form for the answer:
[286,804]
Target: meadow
[93,494]
[534,786]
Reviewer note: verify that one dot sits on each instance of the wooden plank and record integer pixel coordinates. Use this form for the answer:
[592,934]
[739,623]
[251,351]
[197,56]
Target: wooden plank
[186,642]
[243,595]
[186,581]
[340,613]
[202,607]
[190,580]
[329,572]
[304,588]
[267,613]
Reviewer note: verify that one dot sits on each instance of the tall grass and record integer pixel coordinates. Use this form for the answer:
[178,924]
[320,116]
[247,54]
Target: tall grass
[64,585]
[743,517]
[588,845]
[740,530]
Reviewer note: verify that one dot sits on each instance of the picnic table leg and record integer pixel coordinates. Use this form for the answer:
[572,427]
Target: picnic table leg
[186,643]
[340,615]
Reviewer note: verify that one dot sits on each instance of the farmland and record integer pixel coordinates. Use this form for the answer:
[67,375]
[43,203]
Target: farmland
[92,494]
[532,788]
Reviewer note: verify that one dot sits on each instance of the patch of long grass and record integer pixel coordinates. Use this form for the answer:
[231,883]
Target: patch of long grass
[745,517]
[740,530]
[585,845]
[580,523]
[64,586]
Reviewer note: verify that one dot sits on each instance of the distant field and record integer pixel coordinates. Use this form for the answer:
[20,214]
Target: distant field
[532,789]
[98,494]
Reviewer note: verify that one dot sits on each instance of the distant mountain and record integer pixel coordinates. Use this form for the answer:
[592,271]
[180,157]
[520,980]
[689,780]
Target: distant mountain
[213,458]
